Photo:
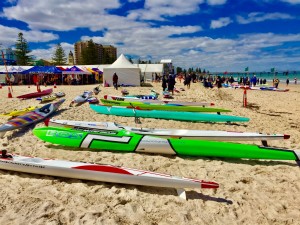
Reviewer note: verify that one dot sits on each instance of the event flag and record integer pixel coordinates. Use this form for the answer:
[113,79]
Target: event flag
[247,68]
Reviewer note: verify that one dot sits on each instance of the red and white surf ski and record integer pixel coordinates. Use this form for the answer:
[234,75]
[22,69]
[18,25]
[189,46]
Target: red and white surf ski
[98,172]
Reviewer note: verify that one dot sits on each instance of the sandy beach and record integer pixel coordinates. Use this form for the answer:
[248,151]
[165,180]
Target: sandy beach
[251,191]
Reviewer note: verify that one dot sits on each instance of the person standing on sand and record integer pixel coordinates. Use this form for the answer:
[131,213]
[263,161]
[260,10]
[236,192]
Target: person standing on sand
[295,79]
[219,82]
[287,81]
[171,83]
[276,82]
[164,82]
[188,81]
[115,81]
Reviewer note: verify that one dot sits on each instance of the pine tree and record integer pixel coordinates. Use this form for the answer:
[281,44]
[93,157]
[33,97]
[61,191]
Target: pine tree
[178,70]
[59,56]
[22,51]
[89,54]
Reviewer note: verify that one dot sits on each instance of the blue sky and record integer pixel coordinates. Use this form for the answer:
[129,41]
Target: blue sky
[218,35]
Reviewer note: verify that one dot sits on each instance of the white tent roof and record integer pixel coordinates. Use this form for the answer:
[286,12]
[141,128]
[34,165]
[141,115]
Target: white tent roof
[13,69]
[122,62]
[166,61]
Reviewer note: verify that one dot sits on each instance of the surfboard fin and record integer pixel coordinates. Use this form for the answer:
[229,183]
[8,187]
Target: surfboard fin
[264,143]
[46,122]
[181,193]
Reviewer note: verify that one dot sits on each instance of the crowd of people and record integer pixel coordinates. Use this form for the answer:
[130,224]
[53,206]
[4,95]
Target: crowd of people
[210,81]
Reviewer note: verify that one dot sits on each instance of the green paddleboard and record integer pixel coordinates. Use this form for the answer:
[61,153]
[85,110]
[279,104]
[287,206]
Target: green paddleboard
[154,106]
[123,140]
[168,115]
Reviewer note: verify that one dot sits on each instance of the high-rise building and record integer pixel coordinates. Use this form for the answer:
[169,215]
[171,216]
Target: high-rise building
[105,54]
[109,54]
[78,47]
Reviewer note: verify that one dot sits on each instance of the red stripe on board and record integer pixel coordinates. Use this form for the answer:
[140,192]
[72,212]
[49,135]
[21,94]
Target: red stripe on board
[99,168]
[205,184]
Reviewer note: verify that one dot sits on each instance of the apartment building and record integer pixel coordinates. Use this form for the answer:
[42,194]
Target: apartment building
[106,54]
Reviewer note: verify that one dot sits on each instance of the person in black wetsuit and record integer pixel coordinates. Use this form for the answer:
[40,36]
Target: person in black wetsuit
[164,82]
[219,82]
[171,83]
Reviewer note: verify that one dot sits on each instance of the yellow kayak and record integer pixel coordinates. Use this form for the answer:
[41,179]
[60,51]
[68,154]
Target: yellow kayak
[48,98]
[19,112]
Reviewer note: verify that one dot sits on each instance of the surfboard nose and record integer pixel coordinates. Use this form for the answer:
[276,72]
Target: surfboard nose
[286,136]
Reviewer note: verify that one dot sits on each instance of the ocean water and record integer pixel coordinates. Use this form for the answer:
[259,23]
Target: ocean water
[282,76]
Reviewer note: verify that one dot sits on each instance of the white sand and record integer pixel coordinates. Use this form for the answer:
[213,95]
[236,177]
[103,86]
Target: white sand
[251,191]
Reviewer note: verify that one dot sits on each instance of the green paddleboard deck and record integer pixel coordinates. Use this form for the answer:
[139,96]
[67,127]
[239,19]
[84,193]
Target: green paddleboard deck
[122,140]
[153,106]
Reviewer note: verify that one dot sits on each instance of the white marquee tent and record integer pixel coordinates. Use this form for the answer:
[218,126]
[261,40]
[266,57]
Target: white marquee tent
[150,69]
[2,76]
[128,73]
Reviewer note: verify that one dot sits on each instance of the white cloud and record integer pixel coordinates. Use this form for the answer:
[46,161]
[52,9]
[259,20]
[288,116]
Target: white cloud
[221,22]
[216,54]
[294,2]
[60,14]
[64,15]
[162,9]
[48,53]
[132,35]
[11,35]
[216,2]
[260,16]
[146,38]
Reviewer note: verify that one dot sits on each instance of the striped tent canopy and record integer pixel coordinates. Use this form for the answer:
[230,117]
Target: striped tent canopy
[75,70]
